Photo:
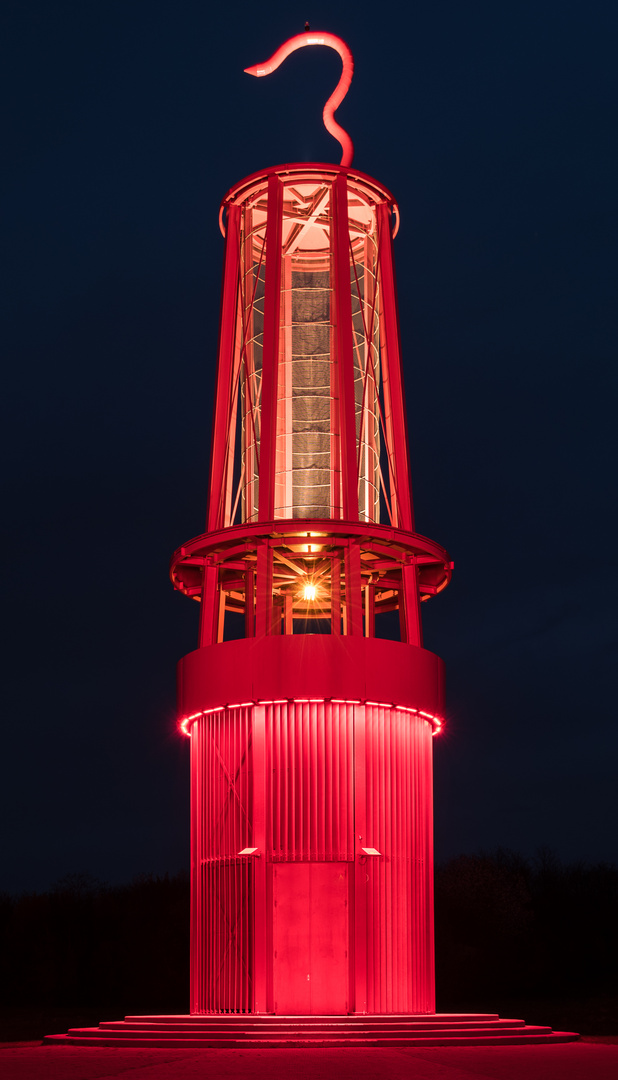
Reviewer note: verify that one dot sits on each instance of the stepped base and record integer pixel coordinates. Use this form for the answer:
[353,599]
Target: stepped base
[286,1032]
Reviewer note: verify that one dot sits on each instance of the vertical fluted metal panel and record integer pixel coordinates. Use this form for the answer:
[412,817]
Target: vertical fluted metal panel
[222,945]
[310,801]
[399,886]
[311,781]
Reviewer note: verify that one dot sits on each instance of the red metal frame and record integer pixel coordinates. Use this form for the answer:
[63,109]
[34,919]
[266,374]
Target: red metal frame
[311,735]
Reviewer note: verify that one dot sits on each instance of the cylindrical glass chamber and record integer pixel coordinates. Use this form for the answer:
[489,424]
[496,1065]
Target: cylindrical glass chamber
[307,481]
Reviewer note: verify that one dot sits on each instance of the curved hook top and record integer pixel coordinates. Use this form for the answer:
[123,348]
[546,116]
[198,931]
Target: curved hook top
[340,91]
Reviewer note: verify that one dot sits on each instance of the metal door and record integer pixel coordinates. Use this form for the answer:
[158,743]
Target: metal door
[310,938]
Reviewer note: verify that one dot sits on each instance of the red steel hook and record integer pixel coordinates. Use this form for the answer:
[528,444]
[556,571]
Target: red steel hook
[339,92]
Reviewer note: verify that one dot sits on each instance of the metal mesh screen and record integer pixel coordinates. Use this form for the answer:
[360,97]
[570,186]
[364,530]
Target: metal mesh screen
[311,394]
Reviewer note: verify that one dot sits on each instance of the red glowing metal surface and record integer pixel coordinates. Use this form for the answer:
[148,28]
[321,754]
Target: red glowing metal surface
[310,938]
[311,746]
[334,101]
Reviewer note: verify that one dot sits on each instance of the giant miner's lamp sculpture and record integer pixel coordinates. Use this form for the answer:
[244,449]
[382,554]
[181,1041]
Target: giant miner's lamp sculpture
[311,731]
[311,735]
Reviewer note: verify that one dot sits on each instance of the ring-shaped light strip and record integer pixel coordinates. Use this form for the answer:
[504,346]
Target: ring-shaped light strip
[435,721]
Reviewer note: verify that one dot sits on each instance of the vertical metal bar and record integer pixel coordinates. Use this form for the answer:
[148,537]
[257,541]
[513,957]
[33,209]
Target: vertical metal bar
[348,827]
[195,955]
[228,512]
[284,783]
[412,605]
[232,909]
[353,598]
[207,867]
[249,603]
[395,858]
[287,434]
[339,781]
[208,606]
[371,369]
[335,420]
[248,905]
[259,864]
[407,842]
[327,794]
[273,818]
[290,725]
[345,348]
[407,852]
[401,608]
[277,612]
[213,905]
[225,847]
[317,723]
[382,841]
[270,352]
[250,273]
[237,861]
[360,840]
[269,717]
[223,876]
[302,776]
[243,842]
[221,616]
[430,1004]
[335,595]
[225,357]
[417,848]
[392,379]
[411,827]
[288,613]
[370,611]
[264,590]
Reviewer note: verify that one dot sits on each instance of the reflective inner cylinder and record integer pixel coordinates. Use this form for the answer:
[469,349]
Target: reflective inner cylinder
[308,441]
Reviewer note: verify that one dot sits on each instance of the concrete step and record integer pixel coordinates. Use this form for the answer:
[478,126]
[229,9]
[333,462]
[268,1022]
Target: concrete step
[396,1033]
[290,1028]
[272,1032]
[525,1036]
[280,1018]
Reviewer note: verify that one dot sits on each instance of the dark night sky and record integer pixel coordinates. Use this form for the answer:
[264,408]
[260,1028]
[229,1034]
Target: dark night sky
[495,127]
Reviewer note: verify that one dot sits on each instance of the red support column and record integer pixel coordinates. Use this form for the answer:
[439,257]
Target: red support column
[209,607]
[264,598]
[270,350]
[370,618]
[259,861]
[360,883]
[225,363]
[411,605]
[353,596]
[197,958]
[335,596]
[249,603]
[394,401]
[345,348]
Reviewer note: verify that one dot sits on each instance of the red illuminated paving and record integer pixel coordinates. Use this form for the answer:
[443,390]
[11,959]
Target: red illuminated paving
[285,1032]
[550,1061]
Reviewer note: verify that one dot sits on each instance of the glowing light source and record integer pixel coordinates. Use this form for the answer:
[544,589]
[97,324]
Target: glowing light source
[309,592]
[435,722]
